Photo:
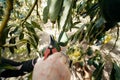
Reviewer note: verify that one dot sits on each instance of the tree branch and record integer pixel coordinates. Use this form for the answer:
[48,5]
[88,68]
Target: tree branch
[29,13]
[9,4]
[38,11]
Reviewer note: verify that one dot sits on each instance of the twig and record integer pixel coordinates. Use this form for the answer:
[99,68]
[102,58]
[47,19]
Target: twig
[38,11]
[29,13]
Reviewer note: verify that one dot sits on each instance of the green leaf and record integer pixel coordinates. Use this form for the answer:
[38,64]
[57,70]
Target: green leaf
[7,66]
[81,6]
[30,76]
[89,51]
[45,14]
[63,39]
[97,74]
[71,37]
[90,61]
[99,22]
[96,63]
[36,25]
[11,49]
[36,38]
[28,48]
[21,36]
[12,41]
[5,34]
[92,9]
[69,23]
[67,6]
[14,31]
[81,63]
[30,28]
[95,30]
[77,36]
[115,73]
[57,46]
[42,52]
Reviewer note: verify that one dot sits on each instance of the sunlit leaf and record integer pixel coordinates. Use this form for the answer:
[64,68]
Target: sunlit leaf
[63,38]
[67,6]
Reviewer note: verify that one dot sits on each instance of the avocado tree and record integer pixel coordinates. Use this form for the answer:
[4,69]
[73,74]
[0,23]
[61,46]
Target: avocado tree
[90,23]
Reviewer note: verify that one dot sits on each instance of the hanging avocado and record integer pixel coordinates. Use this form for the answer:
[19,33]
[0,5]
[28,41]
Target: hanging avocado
[63,39]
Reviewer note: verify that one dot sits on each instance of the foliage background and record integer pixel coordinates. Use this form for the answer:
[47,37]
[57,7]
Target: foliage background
[27,33]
